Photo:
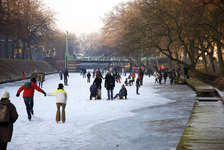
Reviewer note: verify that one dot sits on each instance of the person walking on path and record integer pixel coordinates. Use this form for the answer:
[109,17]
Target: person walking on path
[23,75]
[98,72]
[165,75]
[109,85]
[94,72]
[88,76]
[41,79]
[141,74]
[66,77]
[133,76]
[61,100]
[6,129]
[98,81]
[137,85]
[178,71]
[28,94]
[156,74]
[84,72]
[186,76]
[60,74]
[34,75]
[118,78]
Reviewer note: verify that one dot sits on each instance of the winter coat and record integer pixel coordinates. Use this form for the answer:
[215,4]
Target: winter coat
[6,131]
[84,71]
[61,96]
[29,92]
[165,75]
[156,74]
[34,75]
[109,86]
[98,82]
[66,74]
[185,70]
[88,75]
[133,75]
[24,76]
[141,74]
[125,92]
[41,77]
[138,82]
[98,72]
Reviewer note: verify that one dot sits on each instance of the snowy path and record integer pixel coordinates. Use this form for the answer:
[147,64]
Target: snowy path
[82,115]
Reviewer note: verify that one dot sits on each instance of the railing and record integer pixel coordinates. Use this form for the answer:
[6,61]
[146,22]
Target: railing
[98,59]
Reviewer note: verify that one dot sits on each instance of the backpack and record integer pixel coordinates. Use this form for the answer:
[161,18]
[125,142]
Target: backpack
[27,85]
[4,114]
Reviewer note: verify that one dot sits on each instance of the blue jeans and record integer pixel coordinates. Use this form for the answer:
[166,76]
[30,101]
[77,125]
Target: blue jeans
[65,79]
[110,95]
[29,105]
[84,75]
[137,89]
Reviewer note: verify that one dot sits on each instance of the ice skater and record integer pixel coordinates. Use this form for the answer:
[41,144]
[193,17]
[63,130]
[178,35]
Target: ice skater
[61,100]
[28,94]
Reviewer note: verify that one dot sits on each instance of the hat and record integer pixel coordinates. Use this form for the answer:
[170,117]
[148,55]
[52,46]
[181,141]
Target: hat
[33,80]
[60,86]
[5,94]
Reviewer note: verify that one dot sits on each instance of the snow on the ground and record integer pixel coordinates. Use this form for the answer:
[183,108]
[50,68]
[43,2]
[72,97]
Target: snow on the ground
[43,133]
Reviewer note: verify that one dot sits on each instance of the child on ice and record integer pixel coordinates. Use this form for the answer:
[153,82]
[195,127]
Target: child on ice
[61,99]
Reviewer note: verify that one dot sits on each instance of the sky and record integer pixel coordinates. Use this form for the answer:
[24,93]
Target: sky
[83,117]
[81,16]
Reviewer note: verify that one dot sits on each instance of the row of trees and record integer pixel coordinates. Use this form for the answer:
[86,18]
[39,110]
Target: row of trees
[31,23]
[182,30]
[27,21]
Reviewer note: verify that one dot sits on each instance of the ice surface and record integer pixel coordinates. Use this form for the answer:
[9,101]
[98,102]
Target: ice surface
[43,133]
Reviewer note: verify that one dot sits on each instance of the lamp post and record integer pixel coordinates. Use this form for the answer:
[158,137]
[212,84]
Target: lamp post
[66,53]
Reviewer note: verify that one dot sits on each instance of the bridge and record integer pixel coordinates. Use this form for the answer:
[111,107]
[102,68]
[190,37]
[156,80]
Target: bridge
[73,64]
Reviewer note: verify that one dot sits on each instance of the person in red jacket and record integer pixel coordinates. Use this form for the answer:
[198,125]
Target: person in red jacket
[28,95]
[23,75]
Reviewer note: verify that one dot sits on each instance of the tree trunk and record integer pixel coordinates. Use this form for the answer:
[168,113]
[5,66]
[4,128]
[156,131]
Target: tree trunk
[212,63]
[169,63]
[0,40]
[29,52]
[17,48]
[6,55]
[220,60]
[203,75]
[12,48]
[204,63]
[24,52]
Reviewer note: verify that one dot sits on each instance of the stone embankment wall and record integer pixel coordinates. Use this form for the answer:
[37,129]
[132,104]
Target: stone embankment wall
[11,69]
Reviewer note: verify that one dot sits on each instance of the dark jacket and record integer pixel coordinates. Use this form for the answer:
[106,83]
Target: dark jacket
[141,74]
[185,70]
[109,86]
[6,131]
[98,82]
[88,75]
[138,82]
[66,74]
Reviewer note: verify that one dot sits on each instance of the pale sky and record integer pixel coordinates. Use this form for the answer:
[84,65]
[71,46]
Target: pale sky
[81,16]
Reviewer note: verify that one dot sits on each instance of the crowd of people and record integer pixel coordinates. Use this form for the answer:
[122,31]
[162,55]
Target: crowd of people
[61,95]
[163,73]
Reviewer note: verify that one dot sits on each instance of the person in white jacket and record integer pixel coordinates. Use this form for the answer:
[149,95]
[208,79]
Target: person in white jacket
[61,99]
[156,74]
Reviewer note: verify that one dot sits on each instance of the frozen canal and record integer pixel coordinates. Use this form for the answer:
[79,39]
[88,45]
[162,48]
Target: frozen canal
[153,120]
